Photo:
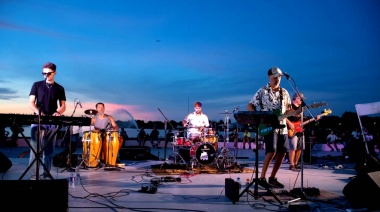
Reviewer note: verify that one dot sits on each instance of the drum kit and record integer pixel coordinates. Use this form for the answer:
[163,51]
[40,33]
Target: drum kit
[94,141]
[200,148]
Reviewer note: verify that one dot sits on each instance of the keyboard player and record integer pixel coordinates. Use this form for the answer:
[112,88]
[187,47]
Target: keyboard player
[46,97]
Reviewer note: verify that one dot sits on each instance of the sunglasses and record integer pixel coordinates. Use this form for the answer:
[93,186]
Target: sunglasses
[47,73]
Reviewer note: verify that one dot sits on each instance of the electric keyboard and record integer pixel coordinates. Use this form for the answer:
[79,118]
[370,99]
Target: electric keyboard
[21,119]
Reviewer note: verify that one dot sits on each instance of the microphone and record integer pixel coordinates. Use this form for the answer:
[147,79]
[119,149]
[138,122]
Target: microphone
[79,104]
[286,75]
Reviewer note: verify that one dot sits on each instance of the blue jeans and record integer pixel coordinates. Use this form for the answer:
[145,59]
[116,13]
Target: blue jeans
[48,136]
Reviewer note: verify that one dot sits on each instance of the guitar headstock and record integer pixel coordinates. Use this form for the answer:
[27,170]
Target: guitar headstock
[317,104]
[326,112]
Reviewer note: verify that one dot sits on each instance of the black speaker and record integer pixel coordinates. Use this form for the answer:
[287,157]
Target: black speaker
[231,189]
[363,191]
[134,153]
[307,153]
[32,193]
[5,163]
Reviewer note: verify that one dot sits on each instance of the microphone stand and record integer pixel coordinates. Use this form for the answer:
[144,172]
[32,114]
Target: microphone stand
[69,153]
[303,106]
[166,120]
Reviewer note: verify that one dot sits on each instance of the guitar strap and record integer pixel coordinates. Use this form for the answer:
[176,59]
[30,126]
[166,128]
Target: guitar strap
[281,99]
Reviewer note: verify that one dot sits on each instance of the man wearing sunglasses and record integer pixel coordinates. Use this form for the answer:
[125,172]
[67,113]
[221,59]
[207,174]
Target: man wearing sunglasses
[46,98]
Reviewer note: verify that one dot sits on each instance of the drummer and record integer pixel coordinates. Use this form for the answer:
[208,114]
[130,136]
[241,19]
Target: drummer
[103,122]
[195,123]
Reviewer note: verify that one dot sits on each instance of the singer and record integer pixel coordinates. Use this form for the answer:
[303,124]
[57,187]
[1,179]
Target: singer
[43,99]
[268,98]
[195,122]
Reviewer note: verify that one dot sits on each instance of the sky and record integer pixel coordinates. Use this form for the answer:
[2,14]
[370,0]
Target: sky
[152,59]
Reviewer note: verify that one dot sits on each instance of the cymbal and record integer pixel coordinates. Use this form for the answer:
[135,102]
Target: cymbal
[90,112]
[225,113]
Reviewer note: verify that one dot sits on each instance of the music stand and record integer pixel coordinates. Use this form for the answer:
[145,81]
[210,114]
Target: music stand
[256,118]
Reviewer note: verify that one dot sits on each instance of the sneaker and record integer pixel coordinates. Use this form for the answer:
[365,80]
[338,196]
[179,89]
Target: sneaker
[263,183]
[42,177]
[292,167]
[274,183]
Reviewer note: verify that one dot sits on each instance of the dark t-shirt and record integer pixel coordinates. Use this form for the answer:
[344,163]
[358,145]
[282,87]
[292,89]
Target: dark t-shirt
[48,97]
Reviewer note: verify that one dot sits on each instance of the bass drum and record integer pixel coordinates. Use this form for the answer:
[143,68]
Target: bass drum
[204,153]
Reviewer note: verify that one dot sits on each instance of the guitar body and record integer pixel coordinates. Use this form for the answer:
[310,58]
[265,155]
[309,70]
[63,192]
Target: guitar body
[297,129]
[265,129]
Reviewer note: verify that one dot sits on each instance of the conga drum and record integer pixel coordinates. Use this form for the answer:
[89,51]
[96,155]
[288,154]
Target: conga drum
[111,147]
[92,144]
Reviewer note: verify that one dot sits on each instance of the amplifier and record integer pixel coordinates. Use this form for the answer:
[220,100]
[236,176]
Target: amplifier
[231,189]
[134,153]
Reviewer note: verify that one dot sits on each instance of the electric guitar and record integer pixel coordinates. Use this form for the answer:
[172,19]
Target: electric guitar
[265,129]
[298,125]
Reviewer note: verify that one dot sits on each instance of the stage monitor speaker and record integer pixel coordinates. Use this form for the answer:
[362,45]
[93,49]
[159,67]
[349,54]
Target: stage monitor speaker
[363,191]
[231,189]
[29,195]
[5,163]
[134,153]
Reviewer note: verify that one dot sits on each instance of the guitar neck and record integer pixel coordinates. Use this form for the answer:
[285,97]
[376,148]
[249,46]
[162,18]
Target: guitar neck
[308,121]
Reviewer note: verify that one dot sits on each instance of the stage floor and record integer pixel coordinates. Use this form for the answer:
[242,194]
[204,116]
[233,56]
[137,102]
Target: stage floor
[137,188]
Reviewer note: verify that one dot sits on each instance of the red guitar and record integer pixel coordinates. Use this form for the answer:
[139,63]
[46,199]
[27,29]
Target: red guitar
[298,127]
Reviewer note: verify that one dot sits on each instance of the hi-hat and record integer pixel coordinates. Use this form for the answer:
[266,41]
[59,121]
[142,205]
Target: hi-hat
[90,112]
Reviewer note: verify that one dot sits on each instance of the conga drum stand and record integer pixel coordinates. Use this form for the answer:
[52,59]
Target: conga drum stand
[88,154]
[107,166]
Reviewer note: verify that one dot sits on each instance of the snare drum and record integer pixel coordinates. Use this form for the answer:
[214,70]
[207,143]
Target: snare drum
[111,147]
[92,144]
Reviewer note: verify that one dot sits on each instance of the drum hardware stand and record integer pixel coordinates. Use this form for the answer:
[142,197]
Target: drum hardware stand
[254,118]
[175,151]
[225,152]
[175,155]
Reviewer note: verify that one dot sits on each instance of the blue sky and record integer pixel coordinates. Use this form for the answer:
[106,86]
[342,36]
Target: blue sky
[138,56]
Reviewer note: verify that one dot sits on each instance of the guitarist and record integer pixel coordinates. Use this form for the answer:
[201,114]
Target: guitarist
[296,141]
[272,97]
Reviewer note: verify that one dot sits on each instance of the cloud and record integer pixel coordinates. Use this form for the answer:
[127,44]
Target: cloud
[8,94]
